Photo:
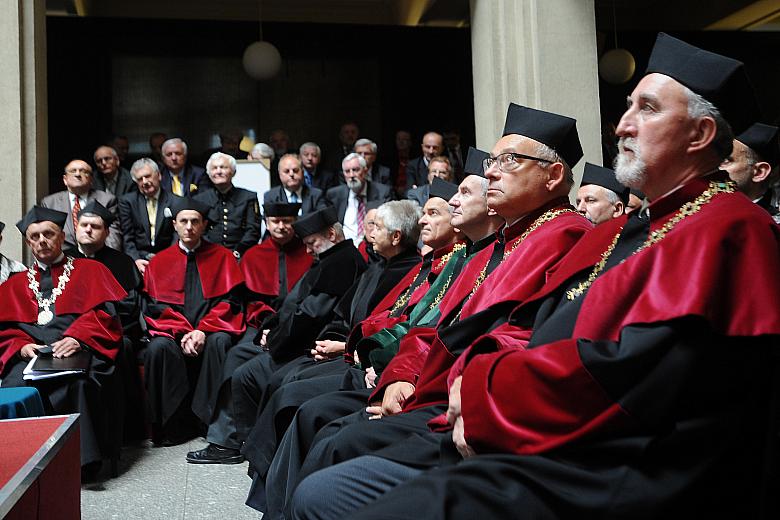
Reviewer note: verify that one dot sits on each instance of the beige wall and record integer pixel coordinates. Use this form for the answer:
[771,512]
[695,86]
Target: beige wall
[537,53]
[22,113]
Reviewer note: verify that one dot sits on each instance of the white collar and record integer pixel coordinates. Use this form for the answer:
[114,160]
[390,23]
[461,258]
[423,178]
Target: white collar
[44,267]
[184,248]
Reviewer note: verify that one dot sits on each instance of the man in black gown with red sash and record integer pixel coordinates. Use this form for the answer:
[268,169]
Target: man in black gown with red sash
[68,304]
[642,391]
[193,311]
[271,269]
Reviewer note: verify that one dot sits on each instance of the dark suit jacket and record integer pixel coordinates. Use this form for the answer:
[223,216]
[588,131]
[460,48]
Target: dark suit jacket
[193,176]
[416,173]
[134,220]
[124,182]
[324,179]
[61,202]
[339,196]
[420,194]
[313,199]
[381,174]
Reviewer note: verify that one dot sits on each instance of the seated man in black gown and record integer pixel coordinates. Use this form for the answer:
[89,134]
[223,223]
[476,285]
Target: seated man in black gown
[193,311]
[67,304]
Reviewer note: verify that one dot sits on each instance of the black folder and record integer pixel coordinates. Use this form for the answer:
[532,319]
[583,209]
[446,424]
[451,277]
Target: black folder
[78,362]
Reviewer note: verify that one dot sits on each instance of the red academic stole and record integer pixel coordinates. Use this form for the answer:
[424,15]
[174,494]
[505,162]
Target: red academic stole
[219,274]
[91,284]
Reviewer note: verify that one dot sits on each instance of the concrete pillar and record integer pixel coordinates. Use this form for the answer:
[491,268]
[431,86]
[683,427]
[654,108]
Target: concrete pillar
[23,130]
[537,53]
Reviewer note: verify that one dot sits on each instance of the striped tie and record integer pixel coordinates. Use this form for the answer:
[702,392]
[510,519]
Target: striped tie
[75,212]
[361,215]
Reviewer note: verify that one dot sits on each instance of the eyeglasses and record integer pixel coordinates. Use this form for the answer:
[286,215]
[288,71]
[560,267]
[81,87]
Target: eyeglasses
[509,161]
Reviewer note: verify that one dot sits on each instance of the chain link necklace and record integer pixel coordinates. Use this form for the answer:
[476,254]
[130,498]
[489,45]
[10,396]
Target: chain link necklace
[688,209]
[46,315]
[542,219]
[439,266]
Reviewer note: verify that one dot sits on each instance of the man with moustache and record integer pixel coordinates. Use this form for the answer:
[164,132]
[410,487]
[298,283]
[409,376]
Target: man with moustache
[235,214]
[643,389]
[529,178]
[350,199]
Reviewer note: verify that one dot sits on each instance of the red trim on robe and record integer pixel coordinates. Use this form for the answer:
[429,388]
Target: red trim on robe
[522,274]
[721,264]
[260,266]
[218,269]
[91,284]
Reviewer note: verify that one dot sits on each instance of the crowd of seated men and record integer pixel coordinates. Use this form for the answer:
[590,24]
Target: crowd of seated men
[480,346]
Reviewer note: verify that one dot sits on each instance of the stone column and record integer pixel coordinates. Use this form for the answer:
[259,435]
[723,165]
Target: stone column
[537,53]
[23,130]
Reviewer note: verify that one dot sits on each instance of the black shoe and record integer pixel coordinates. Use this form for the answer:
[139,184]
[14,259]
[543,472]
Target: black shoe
[215,454]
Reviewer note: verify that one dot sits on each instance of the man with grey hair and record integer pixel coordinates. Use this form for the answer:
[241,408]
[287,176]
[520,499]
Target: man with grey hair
[313,174]
[376,172]
[110,176]
[234,214]
[145,216]
[350,199]
[178,176]
[601,197]
[647,385]
[752,164]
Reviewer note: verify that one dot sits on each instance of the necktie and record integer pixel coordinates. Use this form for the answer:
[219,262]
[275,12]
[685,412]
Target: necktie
[307,178]
[75,212]
[176,188]
[151,210]
[294,198]
[361,215]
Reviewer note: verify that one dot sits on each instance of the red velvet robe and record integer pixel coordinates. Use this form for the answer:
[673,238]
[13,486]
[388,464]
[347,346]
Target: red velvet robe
[260,266]
[91,284]
[717,272]
[219,275]
[423,359]
[380,318]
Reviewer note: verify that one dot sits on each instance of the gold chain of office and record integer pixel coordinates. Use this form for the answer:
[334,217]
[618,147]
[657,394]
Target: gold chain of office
[439,265]
[688,209]
[542,219]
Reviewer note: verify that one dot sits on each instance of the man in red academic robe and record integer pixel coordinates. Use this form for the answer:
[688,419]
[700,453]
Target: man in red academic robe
[193,312]
[527,188]
[273,267]
[644,391]
[67,304]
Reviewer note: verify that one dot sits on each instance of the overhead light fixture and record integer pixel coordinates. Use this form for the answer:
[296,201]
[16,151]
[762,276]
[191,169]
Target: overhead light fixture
[261,59]
[616,66]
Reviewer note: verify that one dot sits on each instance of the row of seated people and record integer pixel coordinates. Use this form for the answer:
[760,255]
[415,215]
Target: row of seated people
[536,363]
[599,373]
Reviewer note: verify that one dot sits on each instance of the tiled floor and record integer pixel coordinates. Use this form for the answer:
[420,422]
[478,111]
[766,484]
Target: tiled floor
[158,483]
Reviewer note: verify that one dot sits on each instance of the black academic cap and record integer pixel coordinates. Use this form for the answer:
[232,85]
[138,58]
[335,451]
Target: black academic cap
[281,209]
[720,80]
[762,139]
[98,209]
[556,131]
[39,214]
[637,193]
[185,203]
[474,160]
[605,178]
[315,222]
[442,189]
[2,226]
